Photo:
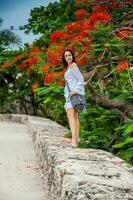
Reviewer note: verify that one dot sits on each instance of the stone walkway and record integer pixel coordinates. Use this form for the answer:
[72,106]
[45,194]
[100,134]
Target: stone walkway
[68,173]
[20,177]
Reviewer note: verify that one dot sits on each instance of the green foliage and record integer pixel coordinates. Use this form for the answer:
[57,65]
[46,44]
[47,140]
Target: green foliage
[119,87]
[47,19]
[129,130]
[124,148]
[105,40]
[97,127]
[125,144]
[53,100]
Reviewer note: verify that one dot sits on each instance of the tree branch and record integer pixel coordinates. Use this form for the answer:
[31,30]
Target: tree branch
[107,103]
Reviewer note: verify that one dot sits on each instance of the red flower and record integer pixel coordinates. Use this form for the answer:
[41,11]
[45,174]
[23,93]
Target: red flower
[49,79]
[34,51]
[122,65]
[34,86]
[84,51]
[61,82]
[27,64]
[19,56]
[55,56]
[45,67]
[73,27]
[32,61]
[76,28]
[72,48]
[80,14]
[56,36]
[81,60]
[6,65]
[99,16]
[100,8]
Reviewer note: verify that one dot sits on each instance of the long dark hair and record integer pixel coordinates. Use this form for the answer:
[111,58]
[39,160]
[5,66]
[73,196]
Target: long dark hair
[65,64]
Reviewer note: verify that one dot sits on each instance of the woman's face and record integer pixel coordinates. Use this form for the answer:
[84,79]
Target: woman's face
[68,57]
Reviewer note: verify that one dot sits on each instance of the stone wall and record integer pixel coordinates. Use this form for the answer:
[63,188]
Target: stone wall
[76,174]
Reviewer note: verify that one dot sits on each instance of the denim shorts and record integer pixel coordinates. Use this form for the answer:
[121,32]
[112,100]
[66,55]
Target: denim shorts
[68,105]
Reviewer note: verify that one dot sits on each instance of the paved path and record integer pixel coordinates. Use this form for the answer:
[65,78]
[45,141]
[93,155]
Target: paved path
[20,177]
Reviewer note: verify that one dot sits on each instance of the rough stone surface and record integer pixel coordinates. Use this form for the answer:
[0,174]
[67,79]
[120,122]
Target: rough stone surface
[76,174]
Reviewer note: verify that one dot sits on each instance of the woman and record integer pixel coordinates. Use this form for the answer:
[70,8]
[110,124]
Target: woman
[75,80]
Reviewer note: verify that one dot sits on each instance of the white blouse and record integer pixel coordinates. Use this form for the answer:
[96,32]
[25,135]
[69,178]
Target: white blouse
[75,81]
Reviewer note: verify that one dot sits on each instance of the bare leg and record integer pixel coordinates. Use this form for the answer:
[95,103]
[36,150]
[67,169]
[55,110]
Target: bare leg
[77,130]
[74,126]
[77,126]
[72,122]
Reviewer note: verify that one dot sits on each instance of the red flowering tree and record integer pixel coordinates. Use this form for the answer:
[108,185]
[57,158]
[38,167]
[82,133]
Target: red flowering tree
[99,47]
[96,42]
[23,78]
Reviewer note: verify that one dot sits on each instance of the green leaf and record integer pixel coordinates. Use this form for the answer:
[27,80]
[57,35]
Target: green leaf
[47,100]
[127,155]
[125,144]
[129,129]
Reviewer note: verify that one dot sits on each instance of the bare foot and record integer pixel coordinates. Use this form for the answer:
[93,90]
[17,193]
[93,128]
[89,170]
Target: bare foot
[74,143]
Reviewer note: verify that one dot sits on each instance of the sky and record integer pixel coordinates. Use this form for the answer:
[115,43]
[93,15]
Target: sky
[16,13]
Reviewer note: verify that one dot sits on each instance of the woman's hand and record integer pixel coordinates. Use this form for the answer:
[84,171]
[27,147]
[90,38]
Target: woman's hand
[72,93]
